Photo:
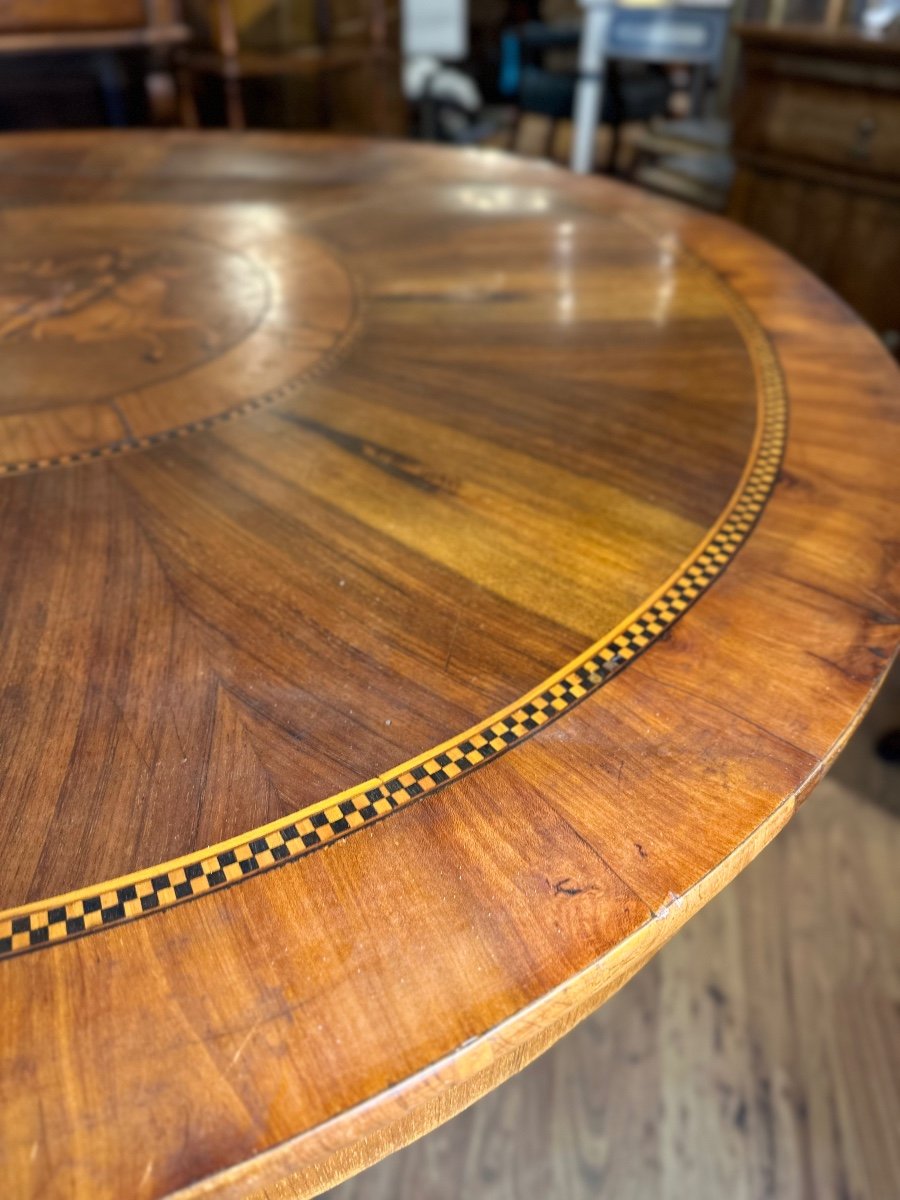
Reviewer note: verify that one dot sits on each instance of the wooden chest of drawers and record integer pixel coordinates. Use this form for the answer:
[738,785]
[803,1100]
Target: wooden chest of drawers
[817,147]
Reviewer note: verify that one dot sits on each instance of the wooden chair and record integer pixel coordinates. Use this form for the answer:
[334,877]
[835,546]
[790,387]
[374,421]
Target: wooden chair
[341,41]
[102,28]
[635,91]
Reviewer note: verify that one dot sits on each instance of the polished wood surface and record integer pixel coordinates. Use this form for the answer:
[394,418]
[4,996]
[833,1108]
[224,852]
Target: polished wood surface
[760,1048]
[422,522]
[406,510]
[817,146]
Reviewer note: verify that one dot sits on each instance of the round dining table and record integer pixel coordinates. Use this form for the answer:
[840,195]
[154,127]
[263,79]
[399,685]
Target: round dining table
[428,577]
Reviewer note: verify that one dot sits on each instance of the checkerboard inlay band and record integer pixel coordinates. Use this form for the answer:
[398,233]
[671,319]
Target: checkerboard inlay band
[66,917]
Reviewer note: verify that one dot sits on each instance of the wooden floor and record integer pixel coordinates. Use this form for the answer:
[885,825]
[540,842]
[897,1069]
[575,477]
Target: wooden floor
[757,1056]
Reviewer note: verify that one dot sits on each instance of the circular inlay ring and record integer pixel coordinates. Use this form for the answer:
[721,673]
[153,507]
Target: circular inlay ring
[113,339]
[141,893]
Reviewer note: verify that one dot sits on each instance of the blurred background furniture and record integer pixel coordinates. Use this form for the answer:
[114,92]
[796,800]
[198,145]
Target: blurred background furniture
[317,41]
[692,36]
[817,147]
[688,158]
[633,91]
[53,42]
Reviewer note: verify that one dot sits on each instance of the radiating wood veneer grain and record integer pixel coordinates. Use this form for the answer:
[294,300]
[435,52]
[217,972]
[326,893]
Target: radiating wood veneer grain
[501,556]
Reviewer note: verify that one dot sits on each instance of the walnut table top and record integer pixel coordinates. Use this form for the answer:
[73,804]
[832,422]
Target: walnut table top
[428,578]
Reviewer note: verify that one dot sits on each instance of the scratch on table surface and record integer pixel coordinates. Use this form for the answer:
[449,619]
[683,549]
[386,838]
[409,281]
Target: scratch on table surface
[242,1047]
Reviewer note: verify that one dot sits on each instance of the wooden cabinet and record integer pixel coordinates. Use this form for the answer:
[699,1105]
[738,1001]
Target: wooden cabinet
[817,147]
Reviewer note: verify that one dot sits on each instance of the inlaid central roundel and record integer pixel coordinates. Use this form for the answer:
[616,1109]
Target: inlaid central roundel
[162,309]
[111,334]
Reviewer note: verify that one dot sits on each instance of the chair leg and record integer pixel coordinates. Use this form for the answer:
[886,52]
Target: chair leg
[112,84]
[324,101]
[379,91]
[162,96]
[888,747]
[614,144]
[234,103]
[227,44]
[187,101]
[550,137]
[699,90]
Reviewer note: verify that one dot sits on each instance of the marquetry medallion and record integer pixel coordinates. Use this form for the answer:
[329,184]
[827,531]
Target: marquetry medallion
[118,329]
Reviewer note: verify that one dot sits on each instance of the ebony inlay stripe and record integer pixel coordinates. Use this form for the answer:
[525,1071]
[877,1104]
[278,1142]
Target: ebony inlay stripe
[32,926]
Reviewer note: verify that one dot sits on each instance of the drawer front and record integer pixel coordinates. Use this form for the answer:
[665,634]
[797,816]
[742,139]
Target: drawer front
[847,238]
[849,128]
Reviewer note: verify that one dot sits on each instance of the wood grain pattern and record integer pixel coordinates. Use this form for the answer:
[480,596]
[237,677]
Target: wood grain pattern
[336,450]
[444,556]
[757,1055]
[19,16]
[817,148]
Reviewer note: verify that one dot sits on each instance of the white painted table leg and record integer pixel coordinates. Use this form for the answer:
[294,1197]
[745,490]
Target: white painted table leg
[589,93]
